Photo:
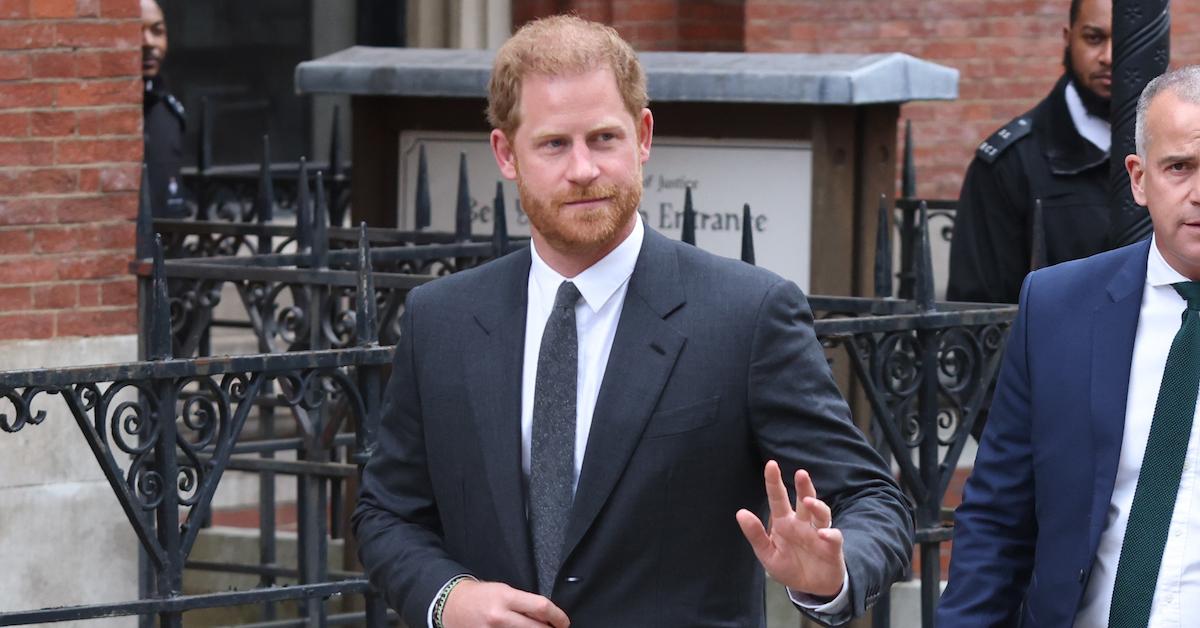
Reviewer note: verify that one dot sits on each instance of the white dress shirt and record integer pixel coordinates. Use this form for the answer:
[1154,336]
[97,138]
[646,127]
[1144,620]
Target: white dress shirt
[1177,593]
[1094,129]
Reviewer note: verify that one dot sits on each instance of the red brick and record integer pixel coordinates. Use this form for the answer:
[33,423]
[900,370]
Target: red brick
[48,181]
[122,292]
[16,242]
[85,238]
[89,295]
[15,299]
[20,36]
[98,151]
[26,326]
[14,66]
[110,179]
[125,91]
[115,206]
[88,34]
[120,8]
[105,322]
[26,153]
[56,296]
[93,266]
[53,8]
[21,270]
[23,211]
[24,95]
[53,65]
[14,124]
[87,8]
[123,121]
[107,64]
[53,123]
[14,9]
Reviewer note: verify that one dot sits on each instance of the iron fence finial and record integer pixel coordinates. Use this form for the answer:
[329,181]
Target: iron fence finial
[747,235]
[158,345]
[303,209]
[688,234]
[365,305]
[462,210]
[923,262]
[883,251]
[500,226]
[320,239]
[424,206]
[144,244]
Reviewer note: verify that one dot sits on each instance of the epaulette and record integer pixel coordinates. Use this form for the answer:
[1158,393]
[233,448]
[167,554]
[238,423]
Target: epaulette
[176,107]
[1008,135]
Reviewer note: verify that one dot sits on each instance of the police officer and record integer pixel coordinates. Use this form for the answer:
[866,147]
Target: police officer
[163,118]
[1058,153]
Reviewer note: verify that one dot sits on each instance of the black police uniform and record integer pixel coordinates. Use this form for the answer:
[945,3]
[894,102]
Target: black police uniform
[163,123]
[1039,155]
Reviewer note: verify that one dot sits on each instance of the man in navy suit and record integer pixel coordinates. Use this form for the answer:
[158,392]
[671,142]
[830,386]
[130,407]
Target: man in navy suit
[1084,505]
[589,431]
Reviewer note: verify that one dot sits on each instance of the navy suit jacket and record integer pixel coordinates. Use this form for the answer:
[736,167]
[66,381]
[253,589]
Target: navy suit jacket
[1033,509]
[714,369]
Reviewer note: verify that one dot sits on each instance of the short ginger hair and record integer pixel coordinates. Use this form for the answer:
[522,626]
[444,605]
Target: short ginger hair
[561,45]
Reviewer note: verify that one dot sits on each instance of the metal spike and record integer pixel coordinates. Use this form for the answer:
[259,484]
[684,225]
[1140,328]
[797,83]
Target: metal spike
[883,250]
[1037,245]
[500,224]
[365,306]
[747,236]
[689,218]
[320,231]
[924,263]
[336,175]
[462,210]
[158,345]
[144,245]
[908,186]
[424,208]
[264,201]
[303,209]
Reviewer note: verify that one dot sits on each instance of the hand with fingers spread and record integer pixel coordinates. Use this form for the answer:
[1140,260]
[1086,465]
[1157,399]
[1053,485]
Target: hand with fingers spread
[474,604]
[802,550]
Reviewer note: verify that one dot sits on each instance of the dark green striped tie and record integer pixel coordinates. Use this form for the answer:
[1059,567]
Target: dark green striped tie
[1158,481]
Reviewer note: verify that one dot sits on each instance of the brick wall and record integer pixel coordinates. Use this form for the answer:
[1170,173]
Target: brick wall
[1008,52]
[70,145]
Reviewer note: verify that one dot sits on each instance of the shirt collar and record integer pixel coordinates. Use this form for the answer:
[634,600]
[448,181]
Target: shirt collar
[1096,130]
[1158,271]
[598,282]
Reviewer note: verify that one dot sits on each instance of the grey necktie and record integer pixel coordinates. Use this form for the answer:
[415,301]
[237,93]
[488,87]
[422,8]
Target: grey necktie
[552,450]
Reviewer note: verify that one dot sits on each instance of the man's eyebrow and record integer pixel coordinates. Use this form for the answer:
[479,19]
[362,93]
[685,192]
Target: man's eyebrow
[1170,159]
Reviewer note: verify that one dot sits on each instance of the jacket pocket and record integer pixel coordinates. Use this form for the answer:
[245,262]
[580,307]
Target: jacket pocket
[684,419]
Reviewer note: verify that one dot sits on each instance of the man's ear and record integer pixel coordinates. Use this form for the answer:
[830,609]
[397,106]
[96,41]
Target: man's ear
[645,131]
[1137,177]
[502,150]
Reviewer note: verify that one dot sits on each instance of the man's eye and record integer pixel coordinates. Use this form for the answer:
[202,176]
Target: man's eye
[1179,167]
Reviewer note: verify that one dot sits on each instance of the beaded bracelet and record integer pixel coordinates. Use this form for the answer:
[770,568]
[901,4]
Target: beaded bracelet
[439,606]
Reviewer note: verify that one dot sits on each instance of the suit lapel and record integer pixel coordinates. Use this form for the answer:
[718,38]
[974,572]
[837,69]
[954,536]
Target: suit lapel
[643,355]
[1114,327]
[494,385]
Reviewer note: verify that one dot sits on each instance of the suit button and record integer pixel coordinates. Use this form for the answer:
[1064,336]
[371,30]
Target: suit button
[573,579]
[1082,575]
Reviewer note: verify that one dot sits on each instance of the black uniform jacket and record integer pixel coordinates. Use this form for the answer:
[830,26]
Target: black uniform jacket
[163,124]
[1039,155]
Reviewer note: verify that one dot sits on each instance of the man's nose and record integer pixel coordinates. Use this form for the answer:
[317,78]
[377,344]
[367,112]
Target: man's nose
[583,169]
[1106,55]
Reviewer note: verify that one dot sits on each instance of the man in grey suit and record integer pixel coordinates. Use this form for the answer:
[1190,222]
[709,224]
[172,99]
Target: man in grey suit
[580,433]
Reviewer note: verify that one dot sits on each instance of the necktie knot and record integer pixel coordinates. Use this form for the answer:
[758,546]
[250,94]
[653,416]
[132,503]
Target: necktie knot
[568,295]
[1190,291]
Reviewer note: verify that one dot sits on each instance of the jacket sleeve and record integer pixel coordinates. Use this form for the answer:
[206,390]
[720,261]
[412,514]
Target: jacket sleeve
[990,250]
[995,528]
[396,521]
[801,420]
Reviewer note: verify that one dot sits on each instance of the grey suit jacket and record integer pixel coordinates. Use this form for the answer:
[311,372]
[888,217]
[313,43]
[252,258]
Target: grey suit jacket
[714,370]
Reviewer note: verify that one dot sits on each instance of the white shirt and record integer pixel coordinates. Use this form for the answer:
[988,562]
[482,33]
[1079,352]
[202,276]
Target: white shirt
[1094,129]
[1177,593]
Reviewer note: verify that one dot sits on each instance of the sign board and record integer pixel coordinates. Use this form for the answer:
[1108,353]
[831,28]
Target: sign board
[774,177]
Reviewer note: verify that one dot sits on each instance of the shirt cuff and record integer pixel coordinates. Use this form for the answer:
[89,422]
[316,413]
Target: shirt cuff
[814,604]
[429,613]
